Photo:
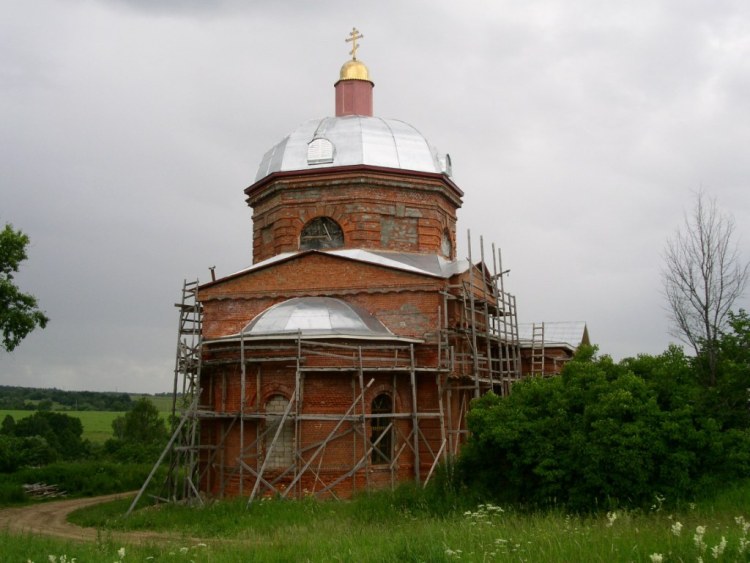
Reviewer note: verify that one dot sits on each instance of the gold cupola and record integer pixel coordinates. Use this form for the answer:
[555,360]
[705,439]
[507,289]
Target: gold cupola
[354,70]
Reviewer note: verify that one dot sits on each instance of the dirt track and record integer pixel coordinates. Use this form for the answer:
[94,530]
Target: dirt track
[50,519]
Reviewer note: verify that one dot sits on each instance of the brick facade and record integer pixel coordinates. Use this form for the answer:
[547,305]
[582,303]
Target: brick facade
[376,209]
[303,412]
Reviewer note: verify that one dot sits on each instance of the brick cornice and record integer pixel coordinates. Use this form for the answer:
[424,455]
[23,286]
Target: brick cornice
[361,174]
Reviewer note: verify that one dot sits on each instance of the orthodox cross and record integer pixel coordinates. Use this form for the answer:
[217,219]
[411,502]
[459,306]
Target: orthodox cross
[353,36]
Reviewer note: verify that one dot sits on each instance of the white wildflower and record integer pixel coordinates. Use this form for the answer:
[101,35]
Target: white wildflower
[52,559]
[453,552]
[718,549]
[744,543]
[698,538]
[656,557]
[121,553]
[611,517]
[183,550]
[677,528]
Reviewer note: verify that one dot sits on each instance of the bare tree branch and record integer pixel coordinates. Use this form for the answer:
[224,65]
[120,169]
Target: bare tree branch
[703,276]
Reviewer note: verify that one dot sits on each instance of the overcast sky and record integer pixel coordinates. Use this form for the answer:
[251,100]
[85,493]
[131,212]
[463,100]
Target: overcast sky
[578,130]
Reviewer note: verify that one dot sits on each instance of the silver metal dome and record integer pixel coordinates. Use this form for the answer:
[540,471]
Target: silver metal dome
[317,316]
[351,140]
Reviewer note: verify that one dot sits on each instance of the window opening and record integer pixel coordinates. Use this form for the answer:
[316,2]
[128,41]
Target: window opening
[383,452]
[321,233]
[282,455]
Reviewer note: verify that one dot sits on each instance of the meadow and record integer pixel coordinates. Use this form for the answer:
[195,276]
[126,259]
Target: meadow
[97,425]
[404,526]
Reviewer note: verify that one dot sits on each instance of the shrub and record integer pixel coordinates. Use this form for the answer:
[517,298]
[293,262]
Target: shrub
[601,434]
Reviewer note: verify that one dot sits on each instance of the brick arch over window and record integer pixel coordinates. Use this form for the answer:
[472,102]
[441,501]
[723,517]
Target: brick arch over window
[321,233]
[281,455]
[381,406]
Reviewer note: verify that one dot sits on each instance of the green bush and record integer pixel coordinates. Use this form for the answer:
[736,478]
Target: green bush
[85,478]
[602,434]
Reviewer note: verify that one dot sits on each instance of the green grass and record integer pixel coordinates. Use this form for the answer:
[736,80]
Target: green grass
[403,527]
[162,402]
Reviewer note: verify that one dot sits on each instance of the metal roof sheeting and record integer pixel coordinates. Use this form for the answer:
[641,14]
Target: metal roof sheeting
[561,333]
[425,264]
[356,140]
[322,316]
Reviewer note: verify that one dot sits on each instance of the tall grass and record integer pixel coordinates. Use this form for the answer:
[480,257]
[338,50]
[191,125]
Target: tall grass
[408,525]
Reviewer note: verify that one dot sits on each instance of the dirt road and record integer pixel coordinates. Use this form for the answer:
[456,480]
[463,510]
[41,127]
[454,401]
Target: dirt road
[50,519]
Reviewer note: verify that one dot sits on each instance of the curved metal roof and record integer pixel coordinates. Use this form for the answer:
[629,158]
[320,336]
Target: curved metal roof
[317,316]
[351,140]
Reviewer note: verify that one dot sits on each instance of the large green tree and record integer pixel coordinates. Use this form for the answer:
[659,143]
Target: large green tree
[19,313]
[139,435]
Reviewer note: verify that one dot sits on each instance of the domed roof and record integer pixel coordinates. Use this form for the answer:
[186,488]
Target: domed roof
[354,70]
[317,316]
[351,140]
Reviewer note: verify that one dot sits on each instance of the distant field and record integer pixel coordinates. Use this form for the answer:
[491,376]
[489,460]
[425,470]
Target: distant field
[97,425]
[162,402]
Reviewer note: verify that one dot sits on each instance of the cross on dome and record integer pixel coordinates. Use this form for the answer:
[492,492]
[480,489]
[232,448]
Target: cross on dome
[353,36]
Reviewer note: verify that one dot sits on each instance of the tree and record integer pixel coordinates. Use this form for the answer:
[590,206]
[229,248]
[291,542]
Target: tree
[63,433]
[703,276]
[139,435]
[19,314]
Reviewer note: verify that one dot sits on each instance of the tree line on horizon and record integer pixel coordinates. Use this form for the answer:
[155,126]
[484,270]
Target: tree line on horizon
[30,398]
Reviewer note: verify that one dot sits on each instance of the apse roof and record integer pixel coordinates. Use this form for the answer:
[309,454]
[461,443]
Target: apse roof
[353,140]
[425,264]
[322,317]
[558,333]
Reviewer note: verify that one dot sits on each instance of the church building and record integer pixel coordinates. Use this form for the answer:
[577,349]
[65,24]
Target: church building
[345,357]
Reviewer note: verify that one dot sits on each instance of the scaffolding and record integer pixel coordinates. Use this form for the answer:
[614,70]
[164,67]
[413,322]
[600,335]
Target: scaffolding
[228,442]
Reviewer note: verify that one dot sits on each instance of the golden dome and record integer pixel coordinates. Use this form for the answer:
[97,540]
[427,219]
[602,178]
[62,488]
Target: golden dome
[354,70]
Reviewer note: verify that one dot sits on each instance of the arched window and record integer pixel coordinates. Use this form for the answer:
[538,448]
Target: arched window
[320,233]
[281,455]
[382,405]
[446,245]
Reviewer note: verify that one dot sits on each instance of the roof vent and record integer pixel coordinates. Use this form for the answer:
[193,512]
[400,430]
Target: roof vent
[446,165]
[319,151]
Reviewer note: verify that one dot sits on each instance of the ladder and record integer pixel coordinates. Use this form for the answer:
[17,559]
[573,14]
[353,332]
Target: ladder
[537,349]
[188,357]
[181,452]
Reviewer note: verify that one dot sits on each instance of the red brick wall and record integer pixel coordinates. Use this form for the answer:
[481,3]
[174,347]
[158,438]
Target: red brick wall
[323,393]
[374,211]
[405,303]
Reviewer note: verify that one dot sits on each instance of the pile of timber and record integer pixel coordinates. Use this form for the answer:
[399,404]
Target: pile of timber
[43,490]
